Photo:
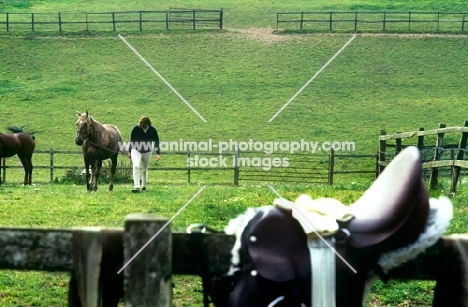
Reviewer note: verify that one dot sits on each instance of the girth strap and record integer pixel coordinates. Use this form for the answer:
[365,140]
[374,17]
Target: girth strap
[322,260]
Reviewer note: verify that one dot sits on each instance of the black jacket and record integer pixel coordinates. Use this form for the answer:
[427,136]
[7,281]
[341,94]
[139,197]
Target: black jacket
[140,139]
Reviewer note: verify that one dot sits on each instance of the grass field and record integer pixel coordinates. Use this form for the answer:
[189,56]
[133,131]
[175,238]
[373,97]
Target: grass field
[237,79]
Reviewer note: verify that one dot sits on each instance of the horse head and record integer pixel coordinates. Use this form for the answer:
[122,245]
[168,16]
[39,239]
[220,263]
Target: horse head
[83,127]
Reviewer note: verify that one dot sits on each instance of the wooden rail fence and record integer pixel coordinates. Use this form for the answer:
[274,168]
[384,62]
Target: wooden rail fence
[115,255]
[245,166]
[373,21]
[115,21]
[432,155]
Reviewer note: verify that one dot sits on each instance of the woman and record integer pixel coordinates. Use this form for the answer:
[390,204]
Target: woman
[143,140]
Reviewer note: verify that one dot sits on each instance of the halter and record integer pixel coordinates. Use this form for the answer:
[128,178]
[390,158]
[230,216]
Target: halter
[78,132]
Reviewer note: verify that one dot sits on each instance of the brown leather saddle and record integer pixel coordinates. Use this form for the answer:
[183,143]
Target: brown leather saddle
[275,264]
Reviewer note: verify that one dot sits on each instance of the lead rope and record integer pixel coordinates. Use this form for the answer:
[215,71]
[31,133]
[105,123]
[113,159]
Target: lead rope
[323,283]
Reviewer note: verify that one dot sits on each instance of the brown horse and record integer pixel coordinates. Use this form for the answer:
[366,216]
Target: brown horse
[98,142]
[19,143]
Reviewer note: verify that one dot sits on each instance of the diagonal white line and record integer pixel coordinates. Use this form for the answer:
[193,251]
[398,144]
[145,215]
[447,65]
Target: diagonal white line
[165,225]
[161,77]
[305,221]
[311,79]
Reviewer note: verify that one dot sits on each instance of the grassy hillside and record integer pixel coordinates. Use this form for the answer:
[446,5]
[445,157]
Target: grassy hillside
[237,80]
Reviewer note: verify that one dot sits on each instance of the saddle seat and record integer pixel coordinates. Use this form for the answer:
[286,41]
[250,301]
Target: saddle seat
[394,210]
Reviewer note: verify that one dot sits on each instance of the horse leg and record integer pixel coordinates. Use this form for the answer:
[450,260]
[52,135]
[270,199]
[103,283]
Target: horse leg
[96,173]
[30,169]
[24,162]
[112,173]
[92,181]
[88,175]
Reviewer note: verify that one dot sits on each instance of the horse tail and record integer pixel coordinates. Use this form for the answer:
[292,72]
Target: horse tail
[17,129]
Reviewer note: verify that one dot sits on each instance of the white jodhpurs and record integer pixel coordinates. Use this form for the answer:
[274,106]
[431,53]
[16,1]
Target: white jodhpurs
[140,160]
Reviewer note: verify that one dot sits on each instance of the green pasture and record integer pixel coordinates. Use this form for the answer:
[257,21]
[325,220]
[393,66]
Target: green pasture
[237,79]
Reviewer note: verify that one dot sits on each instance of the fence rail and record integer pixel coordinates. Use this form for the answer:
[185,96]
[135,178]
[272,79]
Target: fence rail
[244,166]
[374,21]
[129,20]
[433,156]
[97,256]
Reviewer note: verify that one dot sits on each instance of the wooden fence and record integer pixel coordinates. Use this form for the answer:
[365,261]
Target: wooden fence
[142,275]
[433,156]
[312,168]
[244,166]
[115,21]
[373,21]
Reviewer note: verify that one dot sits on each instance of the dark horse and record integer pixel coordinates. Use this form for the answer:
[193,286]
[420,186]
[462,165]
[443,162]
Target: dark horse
[19,143]
[98,142]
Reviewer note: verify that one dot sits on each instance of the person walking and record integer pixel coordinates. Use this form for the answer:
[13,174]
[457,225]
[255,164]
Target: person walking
[143,140]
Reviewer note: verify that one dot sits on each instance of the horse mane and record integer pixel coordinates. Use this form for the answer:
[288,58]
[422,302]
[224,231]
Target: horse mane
[18,129]
[94,120]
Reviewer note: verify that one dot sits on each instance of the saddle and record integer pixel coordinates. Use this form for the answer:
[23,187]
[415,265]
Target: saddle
[392,222]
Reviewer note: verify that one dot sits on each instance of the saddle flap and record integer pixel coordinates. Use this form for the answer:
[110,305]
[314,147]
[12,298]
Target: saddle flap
[277,246]
[394,210]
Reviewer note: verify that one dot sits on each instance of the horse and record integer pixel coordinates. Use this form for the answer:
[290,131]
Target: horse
[98,142]
[19,143]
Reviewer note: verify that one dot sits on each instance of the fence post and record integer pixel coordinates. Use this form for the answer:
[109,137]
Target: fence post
[460,156]
[147,277]
[421,140]
[236,166]
[409,20]
[438,20]
[397,144]
[221,20]
[331,166]
[87,23]
[167,20]
[193,20]
[384,20]
[434,182]
[51,154]
[32,22]
[113,21]
[382,153]
[141,22]
[60,21]
[355,20]
[463,21]
[331,19]
[7,22]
